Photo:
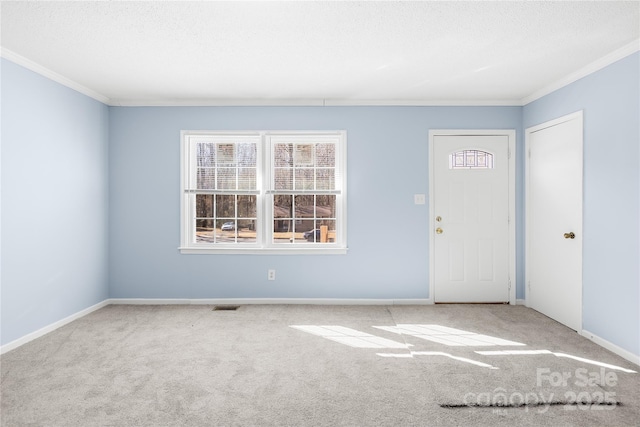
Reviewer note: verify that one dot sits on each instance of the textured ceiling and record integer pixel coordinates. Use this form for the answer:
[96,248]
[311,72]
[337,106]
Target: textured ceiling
[184,52]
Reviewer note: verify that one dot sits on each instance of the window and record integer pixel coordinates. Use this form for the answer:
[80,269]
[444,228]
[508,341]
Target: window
[471,159]
[263,192]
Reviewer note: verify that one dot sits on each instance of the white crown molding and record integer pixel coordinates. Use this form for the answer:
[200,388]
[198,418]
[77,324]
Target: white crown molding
[605,61]
[218,102]
[424,102]
[52,75]
[309,102]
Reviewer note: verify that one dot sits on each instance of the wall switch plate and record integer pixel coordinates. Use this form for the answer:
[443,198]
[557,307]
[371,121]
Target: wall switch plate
[271,275]
[419,199]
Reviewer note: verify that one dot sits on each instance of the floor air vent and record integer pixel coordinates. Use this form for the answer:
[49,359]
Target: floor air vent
[226,307]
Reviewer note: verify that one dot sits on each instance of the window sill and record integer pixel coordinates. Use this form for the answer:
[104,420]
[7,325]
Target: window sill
[263,251]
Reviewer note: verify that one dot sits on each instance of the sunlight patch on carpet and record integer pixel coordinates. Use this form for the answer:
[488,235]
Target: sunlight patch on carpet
[448,336]
[350,337]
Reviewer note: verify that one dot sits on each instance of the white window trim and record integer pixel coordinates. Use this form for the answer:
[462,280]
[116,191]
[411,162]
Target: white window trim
[264,215]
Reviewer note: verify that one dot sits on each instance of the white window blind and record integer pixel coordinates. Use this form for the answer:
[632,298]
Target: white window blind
[305,165]
[223,164]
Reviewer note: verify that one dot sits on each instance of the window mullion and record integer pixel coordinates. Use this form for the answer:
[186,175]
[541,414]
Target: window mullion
[265,175]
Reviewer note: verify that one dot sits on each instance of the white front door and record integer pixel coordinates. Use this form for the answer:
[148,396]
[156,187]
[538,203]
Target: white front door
[554,219]
[470,196]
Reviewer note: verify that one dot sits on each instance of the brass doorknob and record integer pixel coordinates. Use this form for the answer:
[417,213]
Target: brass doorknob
[439,230]
[569,235]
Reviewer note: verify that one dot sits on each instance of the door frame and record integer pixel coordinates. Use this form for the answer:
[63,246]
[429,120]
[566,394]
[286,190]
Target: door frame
[511,155]
[579,115]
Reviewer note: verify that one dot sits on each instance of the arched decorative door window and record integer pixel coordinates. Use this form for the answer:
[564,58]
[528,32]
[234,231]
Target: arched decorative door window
[471,159]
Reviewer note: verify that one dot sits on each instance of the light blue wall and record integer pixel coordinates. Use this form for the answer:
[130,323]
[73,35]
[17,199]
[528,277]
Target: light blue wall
[54,202]
[610,99]
[387,233]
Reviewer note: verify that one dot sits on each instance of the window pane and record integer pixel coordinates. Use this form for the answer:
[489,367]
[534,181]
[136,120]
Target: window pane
[225,206]
[206,178]
[331,231]
[247,154]
[247,207]
[325,206]
[282,231]
[227,231]
[470,159]
[325,179]
[247,179]
[226,154]
[459,159]
[282,207]
[226,179]
[246,231]
[482,159]
[206,154]
[304,206]
[305,231]
[304,179]
[204,206]
[303,155]
[283,155]
[204,230]
[325,155]
[283,179]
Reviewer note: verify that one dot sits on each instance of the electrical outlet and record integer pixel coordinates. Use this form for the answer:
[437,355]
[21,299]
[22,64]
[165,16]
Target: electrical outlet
[419,199]
[271,275]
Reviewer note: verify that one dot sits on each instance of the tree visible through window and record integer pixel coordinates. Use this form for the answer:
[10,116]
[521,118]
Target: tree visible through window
[263,190]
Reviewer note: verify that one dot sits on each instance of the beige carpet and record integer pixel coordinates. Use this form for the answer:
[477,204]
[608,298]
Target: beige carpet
[301,365]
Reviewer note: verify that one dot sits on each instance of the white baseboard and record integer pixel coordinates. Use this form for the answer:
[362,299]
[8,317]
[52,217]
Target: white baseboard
[253,301]
[52,327]
[633,358]
[149,301]
[521,302]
